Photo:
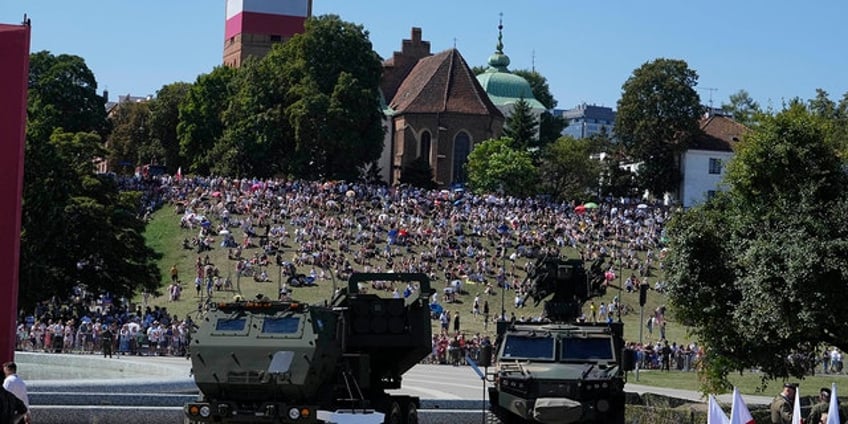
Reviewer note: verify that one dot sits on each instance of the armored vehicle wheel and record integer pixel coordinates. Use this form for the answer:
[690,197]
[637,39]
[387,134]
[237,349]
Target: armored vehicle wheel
[393,413]
[411,413]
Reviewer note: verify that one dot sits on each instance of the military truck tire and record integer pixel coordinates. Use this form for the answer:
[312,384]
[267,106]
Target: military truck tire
[394,415]
[411,413]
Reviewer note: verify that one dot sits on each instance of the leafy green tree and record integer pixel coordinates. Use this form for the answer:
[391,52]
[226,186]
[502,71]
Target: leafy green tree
[76,227]
[201,122]
[821,106]
[418,173]
[835,116]
[494,166]
[521,127]
[568,172]
[62,94]
[657,115]
[742,108]
[333,104]
[129,142]
[759,273]
[164,118]
[372,174]
[253,139]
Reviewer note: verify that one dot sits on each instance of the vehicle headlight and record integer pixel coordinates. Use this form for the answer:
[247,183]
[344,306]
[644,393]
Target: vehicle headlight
[205,411]
[294,413]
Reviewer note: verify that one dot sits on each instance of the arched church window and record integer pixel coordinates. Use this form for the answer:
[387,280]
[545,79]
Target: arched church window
[461,149]
[425,146]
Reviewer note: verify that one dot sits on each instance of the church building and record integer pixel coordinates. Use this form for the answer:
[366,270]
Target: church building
[435,109]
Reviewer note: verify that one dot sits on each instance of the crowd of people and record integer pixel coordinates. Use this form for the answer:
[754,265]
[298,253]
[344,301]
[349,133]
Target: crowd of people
[98,323]
[459,239]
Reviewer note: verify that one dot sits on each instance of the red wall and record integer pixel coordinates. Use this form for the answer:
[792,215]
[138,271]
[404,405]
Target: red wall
[14,55]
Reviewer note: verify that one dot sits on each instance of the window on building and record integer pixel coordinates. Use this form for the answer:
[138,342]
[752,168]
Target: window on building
[461,149]
[715,166]
[276,38]
[425,146]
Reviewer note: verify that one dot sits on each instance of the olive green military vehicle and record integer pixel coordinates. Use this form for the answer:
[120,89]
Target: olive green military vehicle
[270,361]
[559,371]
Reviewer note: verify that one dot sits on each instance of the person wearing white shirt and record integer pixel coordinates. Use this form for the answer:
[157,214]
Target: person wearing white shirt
[15,385]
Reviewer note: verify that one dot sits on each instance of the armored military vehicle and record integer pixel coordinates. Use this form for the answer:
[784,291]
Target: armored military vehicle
[270,361]
[559,371]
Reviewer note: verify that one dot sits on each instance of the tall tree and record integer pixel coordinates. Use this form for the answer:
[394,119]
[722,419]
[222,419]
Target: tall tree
[201,122]
[418,173]
[256,129]
[743,108]
[129,143]
[333,105]
[63,94]
[657,115]
[521,127]
[164,118]
[75,225]
[495,166]
[568,170]
[759,272]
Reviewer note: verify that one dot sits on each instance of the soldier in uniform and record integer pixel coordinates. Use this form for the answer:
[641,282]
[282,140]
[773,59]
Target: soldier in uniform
[820,409]
[781,406]
[106,338]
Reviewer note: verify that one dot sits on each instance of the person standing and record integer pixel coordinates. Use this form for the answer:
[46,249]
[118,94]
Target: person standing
[16,386]
[456,324]
[106,340]
[12,408]
[819,410]
[781,406]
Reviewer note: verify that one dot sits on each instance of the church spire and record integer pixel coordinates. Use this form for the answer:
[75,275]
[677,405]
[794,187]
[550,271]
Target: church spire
[498,62]
[499,49]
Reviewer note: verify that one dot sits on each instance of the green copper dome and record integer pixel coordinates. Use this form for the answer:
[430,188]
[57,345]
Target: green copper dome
[502,86]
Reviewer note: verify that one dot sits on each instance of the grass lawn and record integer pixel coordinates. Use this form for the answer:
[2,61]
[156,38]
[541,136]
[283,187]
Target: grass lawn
[748,383]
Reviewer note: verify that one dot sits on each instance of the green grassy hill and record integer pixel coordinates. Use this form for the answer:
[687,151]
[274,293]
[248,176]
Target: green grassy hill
[165,236]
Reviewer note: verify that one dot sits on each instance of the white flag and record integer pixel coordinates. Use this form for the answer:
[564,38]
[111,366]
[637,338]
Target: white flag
[714,413]
[739,413]
[796,409]
[833,408]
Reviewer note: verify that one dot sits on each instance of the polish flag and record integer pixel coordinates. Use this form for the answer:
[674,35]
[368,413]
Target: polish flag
[179,176]
[715,415]
[796,409]
[833,408]
[739,413]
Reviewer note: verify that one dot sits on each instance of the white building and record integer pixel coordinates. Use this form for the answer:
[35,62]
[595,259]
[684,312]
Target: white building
[704,163]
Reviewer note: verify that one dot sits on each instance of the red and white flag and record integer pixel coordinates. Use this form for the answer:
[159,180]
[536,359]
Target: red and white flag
[179,176]
[715,415]
[796,408]
[739,413]
[833,408]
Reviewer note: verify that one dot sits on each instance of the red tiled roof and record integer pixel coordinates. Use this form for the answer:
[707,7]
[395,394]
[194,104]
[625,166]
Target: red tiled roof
[442,83]
[718,133]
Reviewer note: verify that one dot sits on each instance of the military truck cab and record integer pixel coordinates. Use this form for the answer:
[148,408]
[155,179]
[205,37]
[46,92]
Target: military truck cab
[267,361]
[555,373]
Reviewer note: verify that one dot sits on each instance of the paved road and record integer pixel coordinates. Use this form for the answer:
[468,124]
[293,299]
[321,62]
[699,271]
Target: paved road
[441,382]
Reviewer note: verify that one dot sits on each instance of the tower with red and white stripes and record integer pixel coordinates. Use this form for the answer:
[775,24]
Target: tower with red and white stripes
[253,26]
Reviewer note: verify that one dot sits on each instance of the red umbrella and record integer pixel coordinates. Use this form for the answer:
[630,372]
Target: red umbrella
[580,209]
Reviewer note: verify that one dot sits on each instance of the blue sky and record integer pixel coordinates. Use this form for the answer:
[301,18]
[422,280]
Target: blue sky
[586,49]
